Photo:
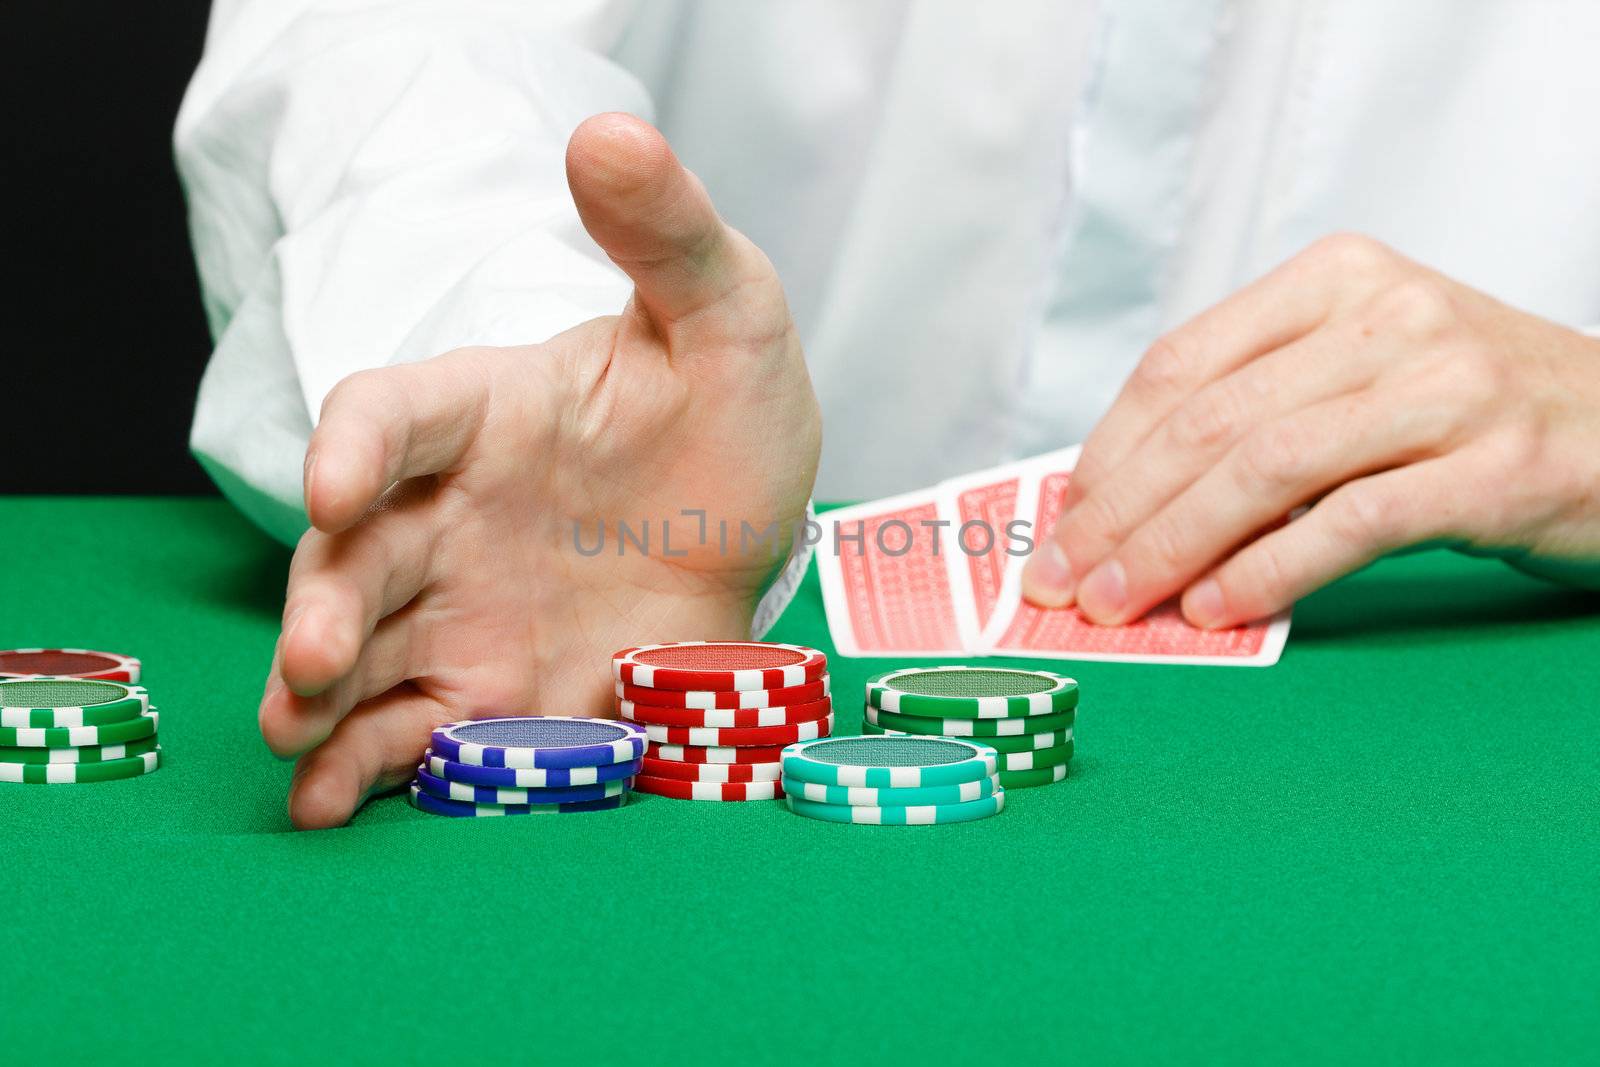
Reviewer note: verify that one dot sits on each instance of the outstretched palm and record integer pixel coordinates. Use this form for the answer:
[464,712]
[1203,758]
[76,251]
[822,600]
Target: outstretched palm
[456,504]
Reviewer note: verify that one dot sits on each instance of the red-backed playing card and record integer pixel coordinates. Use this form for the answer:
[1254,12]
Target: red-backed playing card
[886,589]
[939,573]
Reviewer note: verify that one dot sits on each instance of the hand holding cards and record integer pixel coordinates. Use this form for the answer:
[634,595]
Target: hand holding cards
[939,572]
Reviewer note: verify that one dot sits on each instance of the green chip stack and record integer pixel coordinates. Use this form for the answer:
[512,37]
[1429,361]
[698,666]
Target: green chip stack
[57,731]
[1027,716]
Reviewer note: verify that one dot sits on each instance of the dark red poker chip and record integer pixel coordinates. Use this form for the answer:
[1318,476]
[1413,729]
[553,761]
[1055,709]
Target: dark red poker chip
[717,754]
[736,737]
[68,663]
[725,718]
[809,693]
[680,790]
[719,665]
[711,772]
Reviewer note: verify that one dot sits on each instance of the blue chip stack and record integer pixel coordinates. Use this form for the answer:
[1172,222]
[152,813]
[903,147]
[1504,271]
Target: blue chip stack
[528,765]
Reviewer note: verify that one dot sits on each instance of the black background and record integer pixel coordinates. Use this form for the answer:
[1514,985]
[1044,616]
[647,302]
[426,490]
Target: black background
[105,339]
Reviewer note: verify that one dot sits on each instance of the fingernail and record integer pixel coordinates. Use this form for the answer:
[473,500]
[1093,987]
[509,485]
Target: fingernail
[1105,590]
[311,465]
[1204,604]
[1047,580]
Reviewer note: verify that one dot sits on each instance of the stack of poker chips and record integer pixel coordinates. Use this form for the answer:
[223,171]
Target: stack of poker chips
[718,713]
[1024,715]
[902,780]
[528,765]
[83,721]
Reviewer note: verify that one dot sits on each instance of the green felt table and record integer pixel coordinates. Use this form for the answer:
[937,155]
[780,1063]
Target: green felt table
[1386,848]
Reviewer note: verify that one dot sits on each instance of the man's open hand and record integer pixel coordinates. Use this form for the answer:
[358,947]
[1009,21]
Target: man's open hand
[440,579]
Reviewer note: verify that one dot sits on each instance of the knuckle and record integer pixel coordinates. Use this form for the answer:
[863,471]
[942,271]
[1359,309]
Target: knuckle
[1269,580]
[357,390]
[1475,376]
[1165,547]
[1167,365]
[1207,421]
[1418,308]
[1097,519]
[1350,253]
[1276,457]
[1363,515]
[1522,447]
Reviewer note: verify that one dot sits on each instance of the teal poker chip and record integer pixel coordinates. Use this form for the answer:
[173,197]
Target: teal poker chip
[916,815]
[867,797]
[958,692]
[898,762]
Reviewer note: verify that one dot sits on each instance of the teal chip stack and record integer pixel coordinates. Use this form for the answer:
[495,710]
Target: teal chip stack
[62,731]
[904,780]
[1026,716]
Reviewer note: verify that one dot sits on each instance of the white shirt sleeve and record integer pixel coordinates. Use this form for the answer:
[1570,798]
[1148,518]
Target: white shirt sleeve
[379,181]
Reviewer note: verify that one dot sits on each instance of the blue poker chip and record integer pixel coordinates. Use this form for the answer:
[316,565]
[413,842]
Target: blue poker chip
[464,809]
[527,777]
[445,789]
[540,742]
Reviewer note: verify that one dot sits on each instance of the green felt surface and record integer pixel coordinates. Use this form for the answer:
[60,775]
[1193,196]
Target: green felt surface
[1385,849]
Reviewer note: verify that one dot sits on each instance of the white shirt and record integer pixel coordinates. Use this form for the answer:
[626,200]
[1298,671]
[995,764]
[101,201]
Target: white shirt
[982,213]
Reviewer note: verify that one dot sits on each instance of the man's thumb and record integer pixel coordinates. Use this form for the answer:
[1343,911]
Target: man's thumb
[652,217]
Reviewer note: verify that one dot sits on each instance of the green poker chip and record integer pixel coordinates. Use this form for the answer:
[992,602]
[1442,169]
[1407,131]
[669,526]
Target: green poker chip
[981,729]
[1028,779]
[78,773]
[958,692]
[1002,745]
[68,702]
[113,733]
[88,754]
[1037,759]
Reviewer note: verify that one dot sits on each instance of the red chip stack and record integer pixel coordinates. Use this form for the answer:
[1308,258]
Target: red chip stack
[719,713]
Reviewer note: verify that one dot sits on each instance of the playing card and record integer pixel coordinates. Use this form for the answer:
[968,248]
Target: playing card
[887,590]
[1162,636]
[980,508]
[939,572]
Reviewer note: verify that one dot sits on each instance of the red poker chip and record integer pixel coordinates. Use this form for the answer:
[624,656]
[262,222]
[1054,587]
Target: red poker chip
[711,772]
[679,790]
[736,737]
[719,665]
[809,693]
[68,663]
[725,718]
[715,754]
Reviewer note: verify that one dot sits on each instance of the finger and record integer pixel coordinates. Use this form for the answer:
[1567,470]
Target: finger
[291,724]
[376,747]
[1287,303]
[1324,364]
[341,584]
[1350,528]
[382,426]
[656,221]
[1275,469]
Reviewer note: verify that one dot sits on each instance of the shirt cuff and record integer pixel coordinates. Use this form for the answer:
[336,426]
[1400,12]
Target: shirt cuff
[782,591]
